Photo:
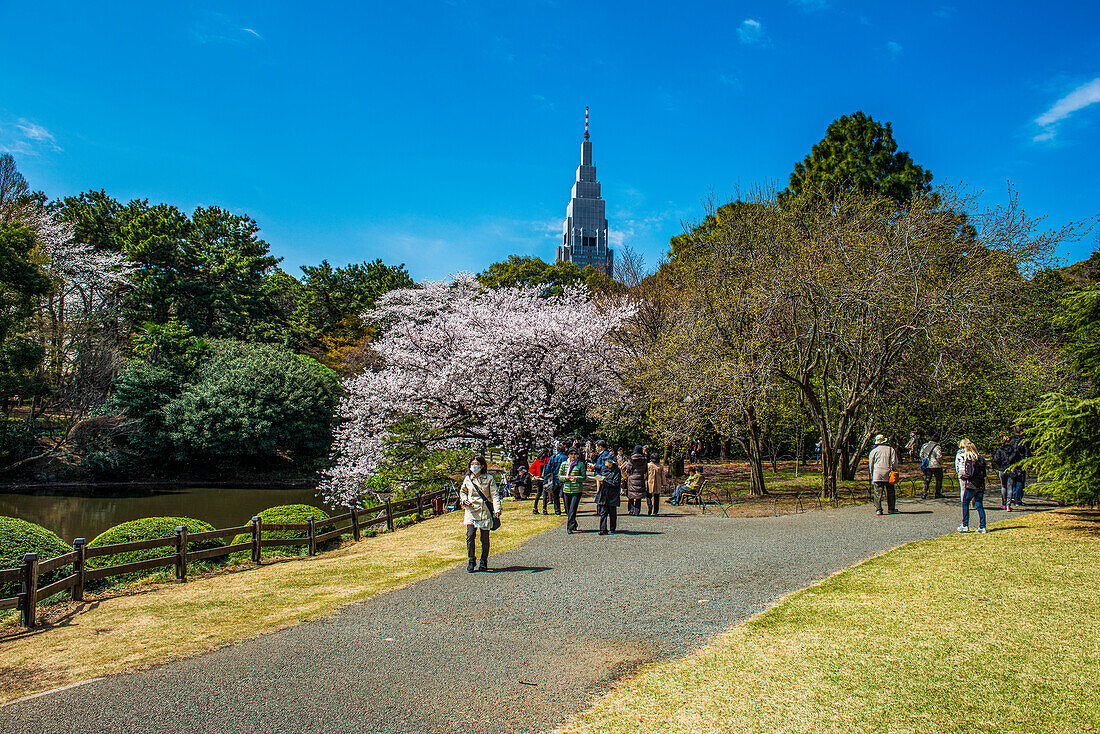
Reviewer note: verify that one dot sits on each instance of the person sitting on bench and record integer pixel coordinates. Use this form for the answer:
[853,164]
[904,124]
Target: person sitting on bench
[690,486]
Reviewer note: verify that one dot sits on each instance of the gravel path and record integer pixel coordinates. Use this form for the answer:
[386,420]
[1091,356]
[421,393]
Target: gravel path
[520,649]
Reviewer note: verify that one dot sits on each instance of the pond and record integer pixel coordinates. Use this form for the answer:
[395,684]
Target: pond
[87,512]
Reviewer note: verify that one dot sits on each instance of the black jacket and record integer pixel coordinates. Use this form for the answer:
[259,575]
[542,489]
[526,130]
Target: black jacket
[973,475]
[609,488]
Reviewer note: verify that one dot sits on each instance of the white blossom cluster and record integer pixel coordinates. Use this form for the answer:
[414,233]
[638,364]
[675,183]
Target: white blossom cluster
[474,365]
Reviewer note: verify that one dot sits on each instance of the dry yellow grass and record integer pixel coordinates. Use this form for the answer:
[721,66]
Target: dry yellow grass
[966,633]
[168,621]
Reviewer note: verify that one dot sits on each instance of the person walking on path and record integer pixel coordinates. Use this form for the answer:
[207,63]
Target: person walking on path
[931,465]
[607,496]
[572,475]
[636,477]
[657,481]
[481,499]
[551,479]
[973,480]
[538,476]
[913,447]
[1002,460]
[882,465]
[1020,450]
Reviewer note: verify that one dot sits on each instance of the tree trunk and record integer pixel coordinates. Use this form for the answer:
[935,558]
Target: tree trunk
[724,452]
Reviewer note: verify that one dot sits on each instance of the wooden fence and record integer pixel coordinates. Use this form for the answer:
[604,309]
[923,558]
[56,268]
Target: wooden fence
[177,553]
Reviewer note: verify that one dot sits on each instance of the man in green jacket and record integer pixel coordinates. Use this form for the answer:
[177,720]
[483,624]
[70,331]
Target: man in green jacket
[572,475]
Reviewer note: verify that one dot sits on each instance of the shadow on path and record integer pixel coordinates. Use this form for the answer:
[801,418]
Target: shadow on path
[458,653]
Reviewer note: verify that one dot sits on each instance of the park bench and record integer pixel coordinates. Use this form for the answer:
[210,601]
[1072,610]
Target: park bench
[695,497]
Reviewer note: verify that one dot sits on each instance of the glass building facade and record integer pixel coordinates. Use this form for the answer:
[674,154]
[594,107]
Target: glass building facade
[584,235]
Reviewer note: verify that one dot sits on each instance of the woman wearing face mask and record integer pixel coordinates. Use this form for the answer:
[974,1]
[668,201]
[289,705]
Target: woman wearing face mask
[481,499]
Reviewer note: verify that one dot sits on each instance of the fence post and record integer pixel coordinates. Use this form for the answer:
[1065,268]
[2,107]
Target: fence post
[419,505]
[257,524]
[78,568]
[389,516]
[181,553]
[30,589]
[355,524]
[311,533]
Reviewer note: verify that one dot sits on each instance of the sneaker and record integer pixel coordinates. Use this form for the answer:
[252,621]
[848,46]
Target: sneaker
[962,529]
[603,532]
[981,530]
[878,512]
[483,567]
[1008,508]
[470,567]
[534,512]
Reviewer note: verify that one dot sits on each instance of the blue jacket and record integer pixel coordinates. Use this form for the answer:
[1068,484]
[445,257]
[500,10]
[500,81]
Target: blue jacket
[598,463]
[552,468]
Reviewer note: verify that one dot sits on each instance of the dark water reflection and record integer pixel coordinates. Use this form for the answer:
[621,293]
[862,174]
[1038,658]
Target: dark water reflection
[75,513]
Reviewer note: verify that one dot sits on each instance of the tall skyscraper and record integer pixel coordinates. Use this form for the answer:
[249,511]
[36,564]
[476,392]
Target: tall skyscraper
[584,236]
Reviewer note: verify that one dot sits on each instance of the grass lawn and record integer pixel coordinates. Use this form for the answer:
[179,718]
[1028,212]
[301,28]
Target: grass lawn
[159,622]
[966,633]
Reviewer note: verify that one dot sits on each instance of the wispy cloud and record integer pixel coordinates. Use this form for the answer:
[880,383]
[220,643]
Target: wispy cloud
[729,81]
[945,12]
[26,137]
[751,32]
[216,27]
[1083,96]
[894,49]
[543,102]
[810,4]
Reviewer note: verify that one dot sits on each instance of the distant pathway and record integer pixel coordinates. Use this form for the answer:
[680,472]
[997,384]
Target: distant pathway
[519,649]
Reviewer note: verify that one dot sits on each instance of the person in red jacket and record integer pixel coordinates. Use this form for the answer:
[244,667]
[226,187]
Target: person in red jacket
[542,486]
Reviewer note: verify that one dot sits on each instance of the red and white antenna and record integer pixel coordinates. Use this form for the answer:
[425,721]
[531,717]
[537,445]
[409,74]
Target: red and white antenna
[586,123]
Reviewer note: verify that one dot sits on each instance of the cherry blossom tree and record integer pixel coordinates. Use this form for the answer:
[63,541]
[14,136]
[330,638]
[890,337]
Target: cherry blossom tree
[458,365]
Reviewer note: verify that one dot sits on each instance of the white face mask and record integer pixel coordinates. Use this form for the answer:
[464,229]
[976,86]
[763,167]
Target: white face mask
[475,469]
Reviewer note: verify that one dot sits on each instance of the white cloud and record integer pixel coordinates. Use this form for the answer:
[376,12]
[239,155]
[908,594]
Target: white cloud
[751,32]
[541,100]
[945,12]
[894,49]
[810,4]
[25,137]
[252,32]
[729,81]
[1085,95]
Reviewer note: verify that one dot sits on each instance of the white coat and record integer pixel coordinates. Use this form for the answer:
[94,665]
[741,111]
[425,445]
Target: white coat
[477,513]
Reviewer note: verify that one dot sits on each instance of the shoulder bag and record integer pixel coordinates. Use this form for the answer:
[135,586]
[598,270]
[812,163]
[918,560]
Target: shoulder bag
[495,520]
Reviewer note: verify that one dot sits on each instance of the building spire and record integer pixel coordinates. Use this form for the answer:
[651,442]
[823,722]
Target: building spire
[586,123]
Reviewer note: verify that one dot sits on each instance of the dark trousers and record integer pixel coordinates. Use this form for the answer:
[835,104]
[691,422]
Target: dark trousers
[891,497]
[653,503]
[978,499]
[546,489]
[609,515]
[928,474]
[572,502]
[634,507]
[471,535]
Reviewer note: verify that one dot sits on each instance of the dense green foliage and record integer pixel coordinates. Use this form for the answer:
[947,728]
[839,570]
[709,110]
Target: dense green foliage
[858,152]
[534,271]
[245,405]
[148,528]
[109,302]
[1066,427]
[21,285]
[288,514]
[19,537]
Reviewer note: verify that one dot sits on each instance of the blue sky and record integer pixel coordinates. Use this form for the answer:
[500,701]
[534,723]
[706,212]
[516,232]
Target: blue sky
[444,134]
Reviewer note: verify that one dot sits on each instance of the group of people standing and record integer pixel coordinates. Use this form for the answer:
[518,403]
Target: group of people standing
[560,477]
[970,467]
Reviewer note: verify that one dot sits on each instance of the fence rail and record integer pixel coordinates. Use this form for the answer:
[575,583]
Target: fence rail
[32,570]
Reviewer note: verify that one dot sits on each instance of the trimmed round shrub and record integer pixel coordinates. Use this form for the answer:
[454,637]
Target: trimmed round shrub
[19,537]
[149,528]
[289,514]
